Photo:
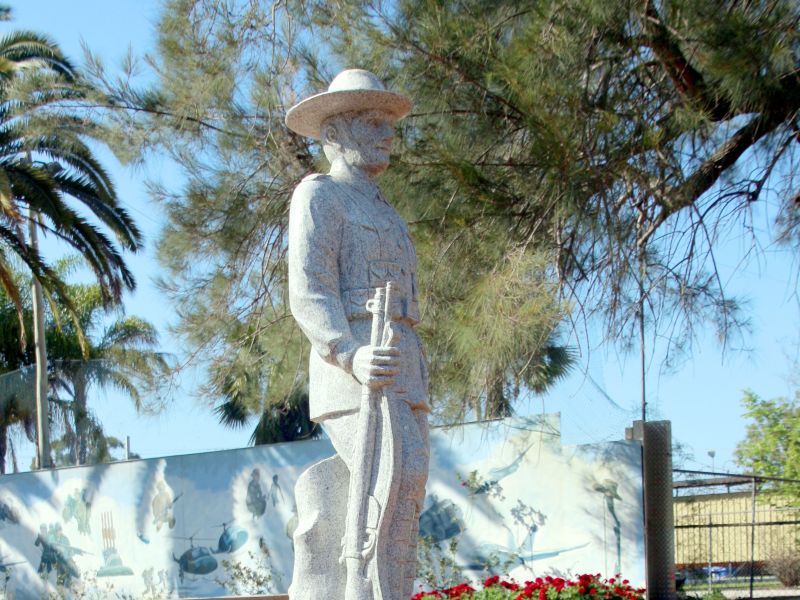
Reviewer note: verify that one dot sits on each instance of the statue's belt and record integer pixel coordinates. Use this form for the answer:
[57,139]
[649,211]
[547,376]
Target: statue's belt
[402,308]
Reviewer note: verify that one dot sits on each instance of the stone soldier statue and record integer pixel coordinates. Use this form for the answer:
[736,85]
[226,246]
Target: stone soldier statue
[345,242]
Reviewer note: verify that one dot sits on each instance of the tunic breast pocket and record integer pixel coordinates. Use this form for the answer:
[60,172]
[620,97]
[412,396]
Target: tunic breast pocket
[367,229]
[361,243]
[383,271]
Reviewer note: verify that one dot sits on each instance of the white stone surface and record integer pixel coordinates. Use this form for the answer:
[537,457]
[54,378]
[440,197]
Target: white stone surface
[507,488]
[345,242]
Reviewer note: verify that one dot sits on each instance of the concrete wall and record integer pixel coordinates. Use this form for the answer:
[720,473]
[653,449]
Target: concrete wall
[503,496]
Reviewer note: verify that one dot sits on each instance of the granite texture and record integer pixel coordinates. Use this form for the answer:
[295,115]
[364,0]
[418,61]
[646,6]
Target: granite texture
[358,512]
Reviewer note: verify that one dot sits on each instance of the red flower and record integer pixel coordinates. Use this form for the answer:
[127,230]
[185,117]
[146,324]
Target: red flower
[458,590]
[592,587]
[542,594]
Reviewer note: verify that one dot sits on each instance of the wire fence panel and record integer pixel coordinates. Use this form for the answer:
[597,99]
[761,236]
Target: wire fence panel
[717,529]
[731,528]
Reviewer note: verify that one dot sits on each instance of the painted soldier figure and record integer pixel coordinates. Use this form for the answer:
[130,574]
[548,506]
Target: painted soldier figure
[345,243]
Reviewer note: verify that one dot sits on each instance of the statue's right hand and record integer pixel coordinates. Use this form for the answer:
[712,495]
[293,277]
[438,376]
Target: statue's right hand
[376,366]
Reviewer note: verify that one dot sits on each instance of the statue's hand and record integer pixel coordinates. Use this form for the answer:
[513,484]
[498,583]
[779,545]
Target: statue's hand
[376,366]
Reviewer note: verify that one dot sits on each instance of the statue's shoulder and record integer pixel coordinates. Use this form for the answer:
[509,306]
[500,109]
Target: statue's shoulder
[316,188]
[315,181]
[316,177]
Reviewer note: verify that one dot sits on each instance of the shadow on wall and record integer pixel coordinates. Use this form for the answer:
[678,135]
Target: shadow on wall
[503,497]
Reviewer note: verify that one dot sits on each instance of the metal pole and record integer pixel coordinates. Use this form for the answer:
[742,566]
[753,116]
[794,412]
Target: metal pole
[710,553]
[642,350]
[127,447]
[753,538]
[642,353]
[42,422]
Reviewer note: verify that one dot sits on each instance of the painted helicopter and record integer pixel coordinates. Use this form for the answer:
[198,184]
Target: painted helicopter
[231,539]
[200,560]
[197,560]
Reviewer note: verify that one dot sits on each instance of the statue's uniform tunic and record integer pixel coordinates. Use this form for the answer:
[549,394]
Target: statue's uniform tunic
[343,245]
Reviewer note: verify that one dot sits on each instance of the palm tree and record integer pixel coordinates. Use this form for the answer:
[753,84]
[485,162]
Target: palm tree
[121,354]
[45,162]
[17,411]
[17,402]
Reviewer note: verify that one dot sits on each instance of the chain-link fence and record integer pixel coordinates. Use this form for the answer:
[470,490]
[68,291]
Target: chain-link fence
[731,531]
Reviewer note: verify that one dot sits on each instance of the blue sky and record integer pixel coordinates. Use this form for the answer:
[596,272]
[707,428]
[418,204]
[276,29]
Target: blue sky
[597,402]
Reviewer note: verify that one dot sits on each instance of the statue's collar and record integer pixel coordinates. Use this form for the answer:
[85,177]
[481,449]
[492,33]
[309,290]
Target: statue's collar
[357,180]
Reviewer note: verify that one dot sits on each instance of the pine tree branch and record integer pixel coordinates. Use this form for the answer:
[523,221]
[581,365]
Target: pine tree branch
[707,174]
[689,82]
[448,62]
[164,113]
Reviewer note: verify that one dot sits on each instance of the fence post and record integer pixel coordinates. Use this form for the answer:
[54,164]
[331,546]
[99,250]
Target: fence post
[710,551]
[752,538]
[659,522]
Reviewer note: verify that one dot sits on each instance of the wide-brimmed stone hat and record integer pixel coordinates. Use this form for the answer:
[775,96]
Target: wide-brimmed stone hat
[350,90]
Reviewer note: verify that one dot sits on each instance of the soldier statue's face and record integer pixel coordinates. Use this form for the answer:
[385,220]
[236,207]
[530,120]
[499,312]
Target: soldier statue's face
[362,139]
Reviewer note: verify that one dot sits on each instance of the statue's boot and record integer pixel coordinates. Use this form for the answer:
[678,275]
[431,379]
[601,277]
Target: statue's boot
[321,494]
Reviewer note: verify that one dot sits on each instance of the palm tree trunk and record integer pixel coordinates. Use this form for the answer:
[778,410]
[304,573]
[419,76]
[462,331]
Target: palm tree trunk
[81,414]
[3,446]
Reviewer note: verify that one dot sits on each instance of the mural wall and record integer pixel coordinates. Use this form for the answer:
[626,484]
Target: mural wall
[503,496]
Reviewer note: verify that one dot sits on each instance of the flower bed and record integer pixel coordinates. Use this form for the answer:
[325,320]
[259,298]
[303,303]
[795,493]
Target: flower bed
[589,587]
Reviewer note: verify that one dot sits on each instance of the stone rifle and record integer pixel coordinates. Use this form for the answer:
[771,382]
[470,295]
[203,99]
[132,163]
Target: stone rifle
[364,510]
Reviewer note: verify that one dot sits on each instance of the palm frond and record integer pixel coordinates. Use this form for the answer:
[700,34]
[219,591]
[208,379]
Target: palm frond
[8,207]
[9,286]
[232,413]
[37,85]
[27,49]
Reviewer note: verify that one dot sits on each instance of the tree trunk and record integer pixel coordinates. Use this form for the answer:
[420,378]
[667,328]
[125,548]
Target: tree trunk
[81,414]
[3,446]
[14,465]
[498,404]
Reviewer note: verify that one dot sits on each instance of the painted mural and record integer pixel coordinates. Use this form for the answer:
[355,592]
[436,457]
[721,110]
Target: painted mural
[503,497]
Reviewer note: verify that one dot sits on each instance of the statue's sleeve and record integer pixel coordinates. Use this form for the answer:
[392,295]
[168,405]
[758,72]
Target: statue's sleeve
[316,221]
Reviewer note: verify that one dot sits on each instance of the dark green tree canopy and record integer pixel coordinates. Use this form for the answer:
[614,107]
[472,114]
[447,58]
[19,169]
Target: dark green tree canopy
[561,155]
[626,138]
[227,73]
